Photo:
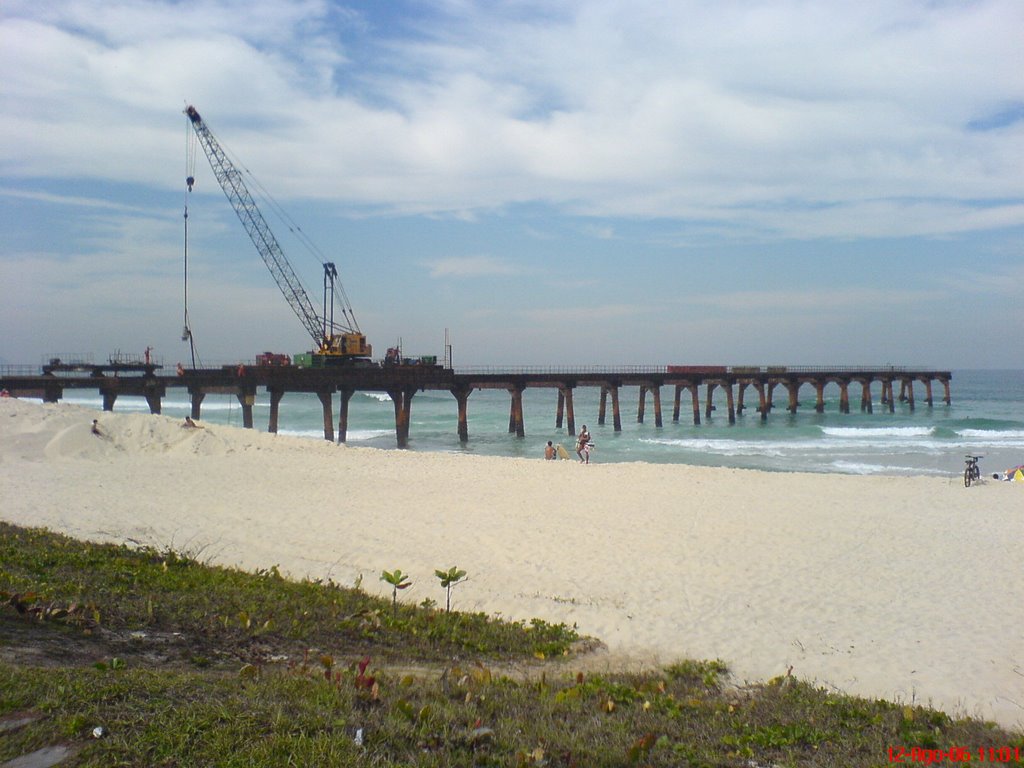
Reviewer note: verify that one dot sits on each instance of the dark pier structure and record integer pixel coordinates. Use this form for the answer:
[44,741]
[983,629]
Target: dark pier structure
[733,384]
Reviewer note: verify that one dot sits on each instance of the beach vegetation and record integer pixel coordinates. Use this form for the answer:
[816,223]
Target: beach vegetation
[397,580]
[449,579]
[100,648]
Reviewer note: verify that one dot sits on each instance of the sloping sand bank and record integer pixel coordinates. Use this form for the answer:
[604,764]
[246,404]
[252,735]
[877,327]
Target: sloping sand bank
[903,588]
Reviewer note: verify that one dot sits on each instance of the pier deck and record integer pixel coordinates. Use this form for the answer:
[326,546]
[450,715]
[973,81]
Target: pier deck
[402,382]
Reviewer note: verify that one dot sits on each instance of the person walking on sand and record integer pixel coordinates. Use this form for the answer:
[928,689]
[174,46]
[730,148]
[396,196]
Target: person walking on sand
[583,445]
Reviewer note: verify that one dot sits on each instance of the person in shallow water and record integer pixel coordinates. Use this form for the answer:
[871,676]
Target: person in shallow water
[583,445]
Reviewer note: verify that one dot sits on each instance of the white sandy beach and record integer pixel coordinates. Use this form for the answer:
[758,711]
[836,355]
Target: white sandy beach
[910,589]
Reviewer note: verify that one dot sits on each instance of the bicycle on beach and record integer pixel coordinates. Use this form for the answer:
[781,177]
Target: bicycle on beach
[972,472]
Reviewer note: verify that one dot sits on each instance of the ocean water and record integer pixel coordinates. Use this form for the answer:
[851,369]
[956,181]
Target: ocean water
[986,417]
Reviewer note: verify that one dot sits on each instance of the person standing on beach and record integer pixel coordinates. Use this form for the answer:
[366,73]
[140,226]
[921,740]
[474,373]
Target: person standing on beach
[583,445]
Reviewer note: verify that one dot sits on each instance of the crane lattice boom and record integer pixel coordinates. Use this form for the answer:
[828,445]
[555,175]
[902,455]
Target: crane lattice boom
[351,341]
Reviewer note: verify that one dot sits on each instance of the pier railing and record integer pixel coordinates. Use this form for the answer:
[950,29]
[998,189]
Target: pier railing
[26,369]
[571,370]
[21,370]
[627,370]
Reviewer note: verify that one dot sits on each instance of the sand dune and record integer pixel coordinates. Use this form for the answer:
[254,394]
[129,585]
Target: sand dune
[904,588]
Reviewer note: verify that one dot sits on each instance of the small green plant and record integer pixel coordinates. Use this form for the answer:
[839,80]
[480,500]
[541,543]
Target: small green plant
[397,580]
[449,579]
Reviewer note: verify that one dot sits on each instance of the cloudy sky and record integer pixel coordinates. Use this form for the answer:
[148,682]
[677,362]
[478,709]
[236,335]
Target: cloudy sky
[553,181]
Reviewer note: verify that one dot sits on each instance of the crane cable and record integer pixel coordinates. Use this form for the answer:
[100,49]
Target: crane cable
[312,249]
[190,166]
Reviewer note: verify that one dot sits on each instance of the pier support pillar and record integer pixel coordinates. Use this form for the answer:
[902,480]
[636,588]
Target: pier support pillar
[246,398]
[346,395]
[616,415]
[741,387]
[730,404]
[276,393]
[642,404]
[402,398]
[515,416]
[153,400]
[462,398]
[695,398]
[565,401]
[908,387]
[887,397]
[108,400]
[675,403]
[819,403]
[762,401]
[844,397]
[945,383]
[793,388]
[928,392]
[196,396]
[560,408]
[770,404]
[865,397]
[52,393]
[709,400]
[325,396]
[602,406]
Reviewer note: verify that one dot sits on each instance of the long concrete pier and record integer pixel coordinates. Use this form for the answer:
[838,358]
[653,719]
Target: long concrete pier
[402,382]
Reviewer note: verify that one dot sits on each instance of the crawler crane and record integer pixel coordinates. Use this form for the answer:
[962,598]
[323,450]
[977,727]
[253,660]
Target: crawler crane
[336,343]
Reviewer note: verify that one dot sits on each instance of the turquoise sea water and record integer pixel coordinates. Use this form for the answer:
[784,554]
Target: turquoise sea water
[986,417]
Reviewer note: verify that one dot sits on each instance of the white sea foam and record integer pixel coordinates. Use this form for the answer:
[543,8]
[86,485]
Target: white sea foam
[355,435]
[352,436]
[992,434]
[860,432]
[133,403]
[736,447]
[865,468]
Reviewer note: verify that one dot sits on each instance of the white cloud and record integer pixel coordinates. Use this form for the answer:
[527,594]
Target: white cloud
[630,150]
[820,300]
[76,201]
[471,266]
[607,109]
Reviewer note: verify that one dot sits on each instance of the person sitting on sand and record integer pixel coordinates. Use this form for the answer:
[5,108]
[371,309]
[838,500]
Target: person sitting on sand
[96,428]
[189,424]
[549,451]
[583,445]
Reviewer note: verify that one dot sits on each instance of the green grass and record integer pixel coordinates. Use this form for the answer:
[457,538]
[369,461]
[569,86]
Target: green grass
[227,613]
[213,697]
